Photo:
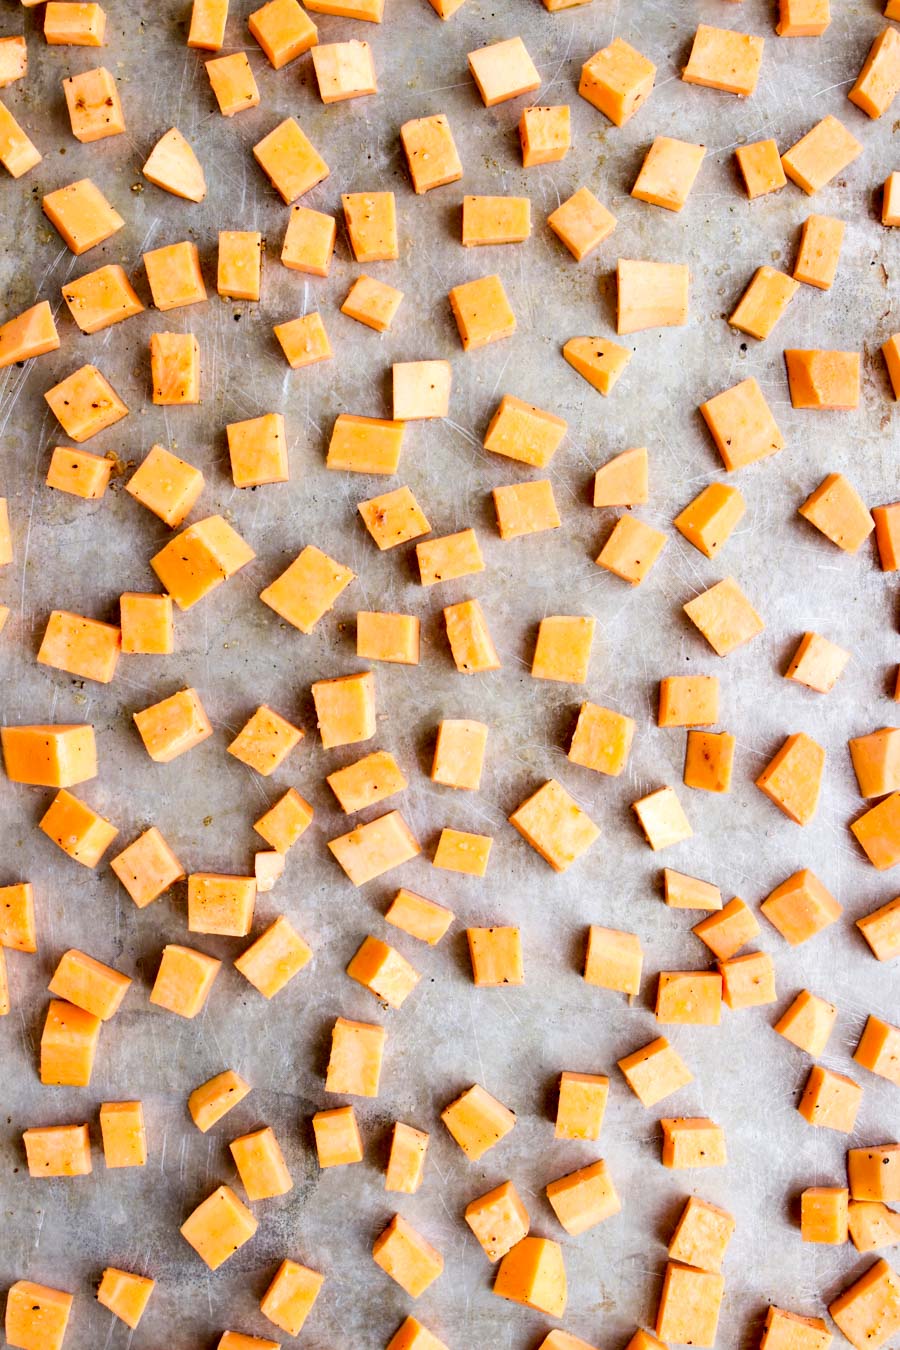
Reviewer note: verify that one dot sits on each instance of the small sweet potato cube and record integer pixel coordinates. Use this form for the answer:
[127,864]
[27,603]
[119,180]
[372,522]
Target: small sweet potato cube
[545,135]
[345,709]
[655,1072]
[803,18]
[726,931]
[581,1105]
[601,740]
[147,867]
[78,472]
[220,904]
[874,1173]
[748,981]
[459,754]
[174,275]
[77,829]
[477,1121]
[820,155]
[617,80]
[808,1023]
[173,726]
[124,1137]
[14,57]
[525,508]
[274,958]
[420,389]
[563,648]
[584,1198]
[470,641]
[265,741]
[183,980]
[496,956]
[817,663]
[724,616]
[80,646]
[289,1298]
[741,423]
[820,249]
[166,485]
[690,1300]
[370,850]
[90,985]
[462,851]
[723,59]
[68,1045]
[708,760]
[36,1316]
[482,311]
[837,510]
[878,832]
[830,1100]
[613,960]
[173,166]
[868,1312]
[57,1151]
[354,1065]
[555,826]
[81,214]
[371,220]
[124,1294]
[876,761]
[662,818]
[337,1137]
[582,223]
[344,70]
[290,161]
[382,970]
[367,781]
[502,71]
[449,557]
[689,997]
[372,303]
[407,1257]
[872,1225]
[668,173]
[793,777]
[824,1215]
[284,31]
[763,302]
[878,81]
[31,333]
[406,1160]
[890,200]
[760,166]
[710,518]
[420,918]
[688,701]
[95,109]
[365,444]
[878,1049]
[85,403]
[651,295]
[631,549]
[523,432]
[239,267]
[533,1273]
[387,637]
[59,755]
[233,83]
[790,1331]
[684,892]
[801,907]
[498,1219]
[823,379]
[304,340]
[17,930]
[18,153]
[208,19]
[260,1164]
[174,368]
[701,1235]
[692,1141]
[881,930]
[887,532]
[218,1227]
[214,1099]
[430,152]
[199,559]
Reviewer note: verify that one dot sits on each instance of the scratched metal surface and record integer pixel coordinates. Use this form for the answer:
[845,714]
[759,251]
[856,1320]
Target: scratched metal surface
[80,556]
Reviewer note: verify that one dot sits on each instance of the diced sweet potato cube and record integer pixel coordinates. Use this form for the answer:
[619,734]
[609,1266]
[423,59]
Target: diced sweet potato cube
[726,931]
[624,479]
[830,1100]
[387,637]
[303,341]
[651,295]
[801,907]
[412,1335]
[872,1225]
[174,726]
[407,1257]
[284,31]
[290,161]
[174,275]
[365,444]
[533,1273]
[617,80]
[184,980]
[688,701]
[563,648]
[371,220]
[581,1105]
[584,1198]
[470,642]
[344,70]
[382,970]
[367,781]
[613,960]
[793,777]
[482,312]
[496,956]
[824,1215]
[763,302]
[58,755]
[808,1023]
[80,646]
[878,1049]
[878,832]
[430,152]
[147,867]
[85,403]
[95,109]
[420,918]
[748,981]
[878,81]
[838,512]
[582,223]
[868,1312]
[218,1227]
[199,559]
[99,299]
[817,663]
[790,1331]
[31,333]
[345,709]
[890,200]
[724,616]
[708,760]
[887,534]
[370,850]
[874,1173]
[36,1316]
[702,1235]
[18,154]
[684,892]
[631,549]
[265,741]
[14,57]
[760,166]
[553,823]
[495,220]
[462,851]
[420,389]
[477,1121]
[662,818]
[448,558]
[260,1164]
[710,518]
[655,1072]
[723,59]
[289,1298]
[90,985]
[668,173]
[77,829]
[173,166]
[689,1303]
[57,1151]
[220,904]
[459,754]
[78,472]
[689,997]
[68,1045]
[268,866]
[354,1065]
[207,30]
[881,930]
[17,930]
[499,1220]
[741,424]
[820,155]
[166,485]
[81,214]
[406,1160]
[212,1100]
[692,1141]
[233,83]
[122,1130]
[175,368]
[823,379]
[802,18]
[337,1137]
[601,740]
[876,761]
[274,958]
[502,71]
[820,251]
[125,1295]
[522,432]
[239,266]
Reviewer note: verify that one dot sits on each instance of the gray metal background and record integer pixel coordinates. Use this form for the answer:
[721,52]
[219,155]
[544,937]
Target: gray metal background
[80,556]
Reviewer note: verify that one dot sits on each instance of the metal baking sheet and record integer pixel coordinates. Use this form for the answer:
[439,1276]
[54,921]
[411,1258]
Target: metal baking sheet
[80,556]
